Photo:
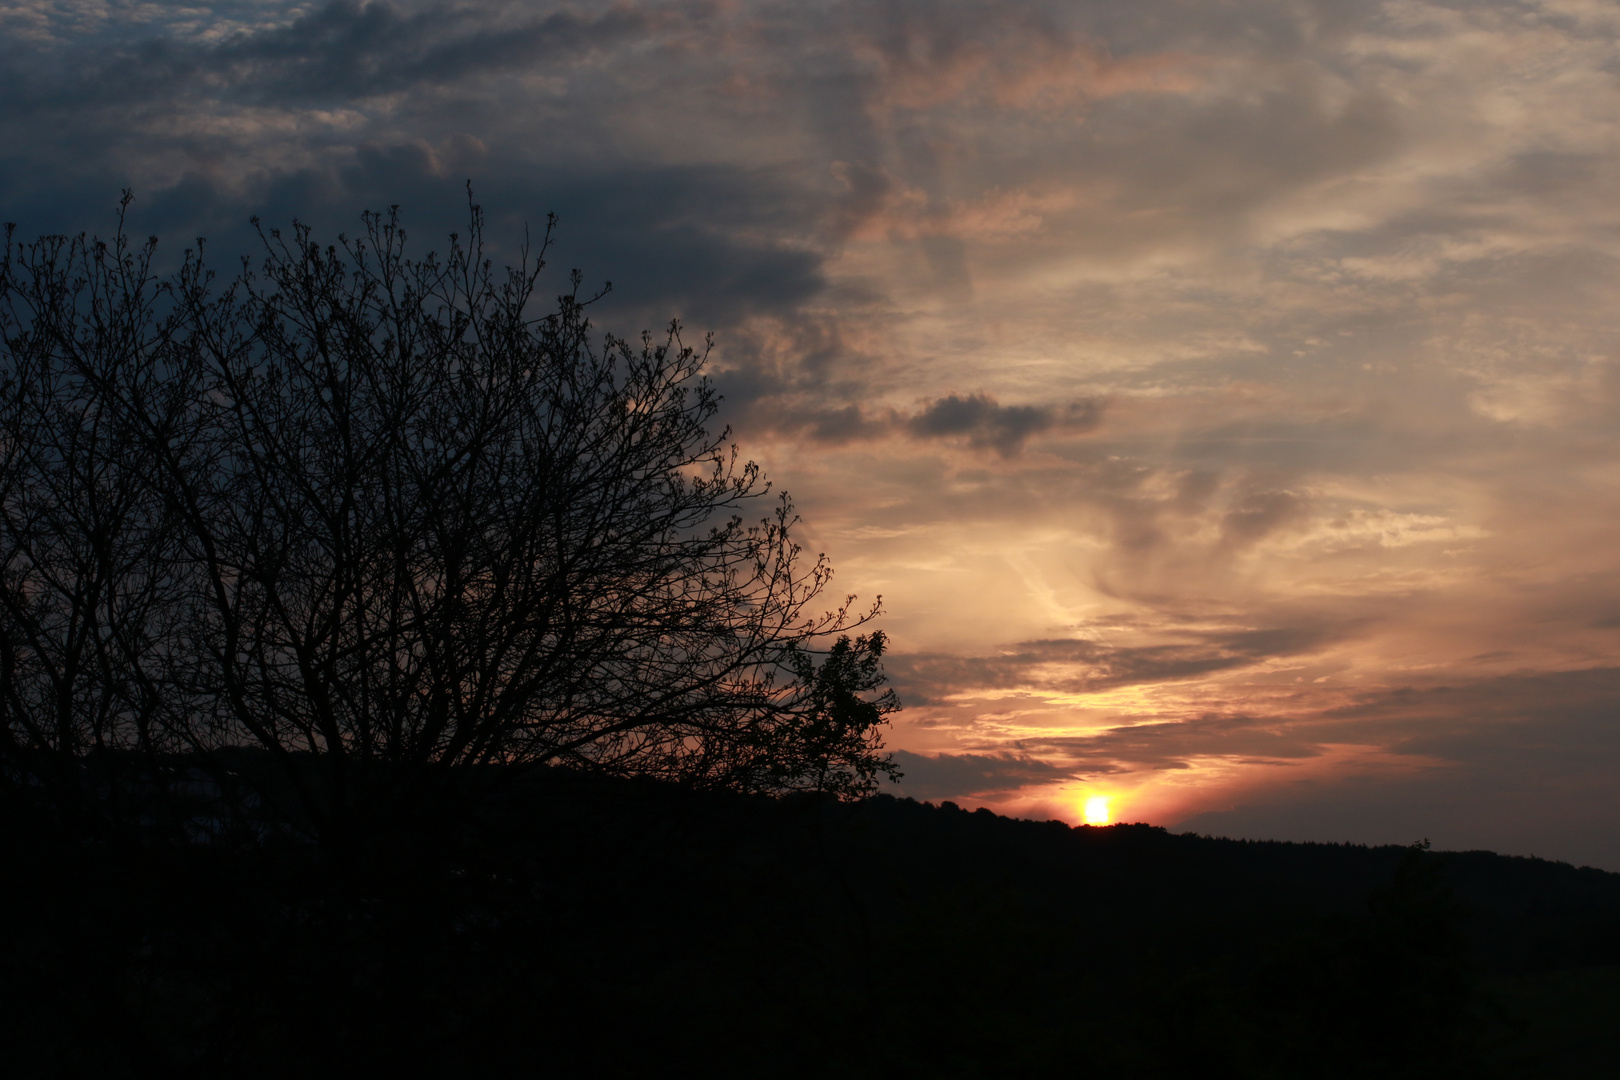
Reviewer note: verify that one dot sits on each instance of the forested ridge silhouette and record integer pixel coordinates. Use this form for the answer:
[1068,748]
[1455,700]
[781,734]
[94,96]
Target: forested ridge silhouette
[586,925]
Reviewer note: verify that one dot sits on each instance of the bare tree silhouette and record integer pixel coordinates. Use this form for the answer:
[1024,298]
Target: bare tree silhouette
[375,513]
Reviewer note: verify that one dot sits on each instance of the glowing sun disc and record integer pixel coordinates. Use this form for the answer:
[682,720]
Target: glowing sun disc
[1097,810]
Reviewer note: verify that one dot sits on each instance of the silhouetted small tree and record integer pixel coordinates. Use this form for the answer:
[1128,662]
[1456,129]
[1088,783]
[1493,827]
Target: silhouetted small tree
[382,519]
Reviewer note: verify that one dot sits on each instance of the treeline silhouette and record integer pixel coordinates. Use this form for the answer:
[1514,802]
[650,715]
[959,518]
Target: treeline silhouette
[579,925]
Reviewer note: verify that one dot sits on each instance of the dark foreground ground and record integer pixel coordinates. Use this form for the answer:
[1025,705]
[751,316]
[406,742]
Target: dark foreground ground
[589,929]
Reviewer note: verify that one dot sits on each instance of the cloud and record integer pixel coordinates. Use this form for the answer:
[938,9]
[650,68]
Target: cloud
[1071,666]
[344,50]
[983,422]
[937,776]
[977,421]
[1019,58]
[1181,743]
[1241,364]
[358,50]
[1260,514]
[1522,762]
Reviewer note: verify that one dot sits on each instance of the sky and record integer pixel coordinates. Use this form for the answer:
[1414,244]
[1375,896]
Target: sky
[1223,395]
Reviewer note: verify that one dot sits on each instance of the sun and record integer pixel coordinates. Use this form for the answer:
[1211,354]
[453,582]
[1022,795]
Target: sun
[1097,810]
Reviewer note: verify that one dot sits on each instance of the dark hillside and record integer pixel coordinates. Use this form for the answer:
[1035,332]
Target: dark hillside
[597,928]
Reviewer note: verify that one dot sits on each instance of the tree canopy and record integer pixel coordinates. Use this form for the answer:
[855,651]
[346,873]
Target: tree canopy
[380,511]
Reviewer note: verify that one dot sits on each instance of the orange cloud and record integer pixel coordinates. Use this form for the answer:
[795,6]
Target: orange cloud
[1014,61]
[889,209]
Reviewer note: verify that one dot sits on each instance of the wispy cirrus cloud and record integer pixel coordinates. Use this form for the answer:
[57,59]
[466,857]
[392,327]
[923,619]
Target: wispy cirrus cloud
[1078,666]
